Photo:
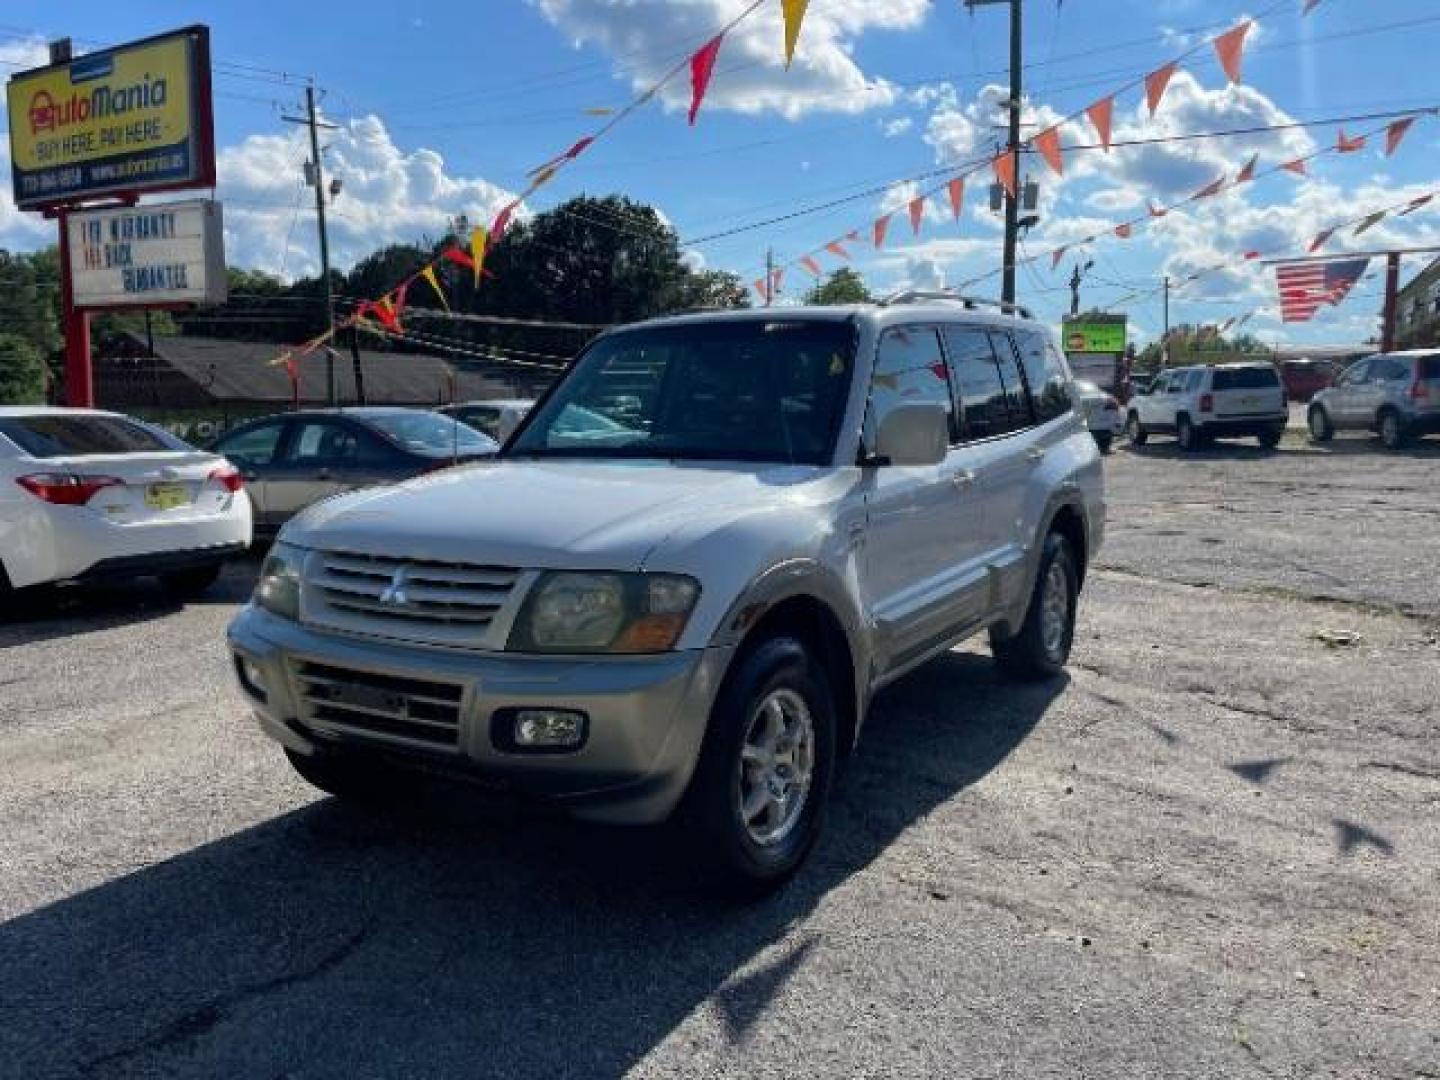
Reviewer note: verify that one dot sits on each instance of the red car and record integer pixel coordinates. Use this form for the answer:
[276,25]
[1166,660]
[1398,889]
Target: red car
[1305,378]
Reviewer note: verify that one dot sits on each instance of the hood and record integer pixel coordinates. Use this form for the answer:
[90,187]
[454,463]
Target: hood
[548,514]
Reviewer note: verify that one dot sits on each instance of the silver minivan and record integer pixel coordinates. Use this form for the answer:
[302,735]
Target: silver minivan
[1395,394]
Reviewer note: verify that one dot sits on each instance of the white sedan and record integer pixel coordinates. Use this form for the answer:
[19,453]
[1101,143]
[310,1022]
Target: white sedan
[86,494]
[1103,414]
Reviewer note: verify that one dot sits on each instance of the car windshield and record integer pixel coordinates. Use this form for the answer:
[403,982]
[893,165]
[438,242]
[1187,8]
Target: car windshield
[1245,378]
[716,391]
[431,434]
[54,435]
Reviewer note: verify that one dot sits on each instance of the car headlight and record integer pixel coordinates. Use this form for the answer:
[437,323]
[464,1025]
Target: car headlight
[569,612]
[278,589]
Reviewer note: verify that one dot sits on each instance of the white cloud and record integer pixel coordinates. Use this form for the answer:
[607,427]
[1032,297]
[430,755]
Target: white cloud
[750,77]
[20,231]
[895,128]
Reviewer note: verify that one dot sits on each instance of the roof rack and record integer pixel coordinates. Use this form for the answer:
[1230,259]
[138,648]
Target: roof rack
[909,296]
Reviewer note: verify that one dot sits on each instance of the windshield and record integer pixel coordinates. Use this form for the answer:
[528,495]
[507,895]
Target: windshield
[1245,378]
[53,435]
[736,391]
[431,434]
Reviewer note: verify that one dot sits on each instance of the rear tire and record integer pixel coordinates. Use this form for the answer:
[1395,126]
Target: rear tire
[1392,430]
[1042,647]
[1186,435]
[1136,430]
[1271,439]
[193,581]
[1318,421]
[757,800]
[1106,443]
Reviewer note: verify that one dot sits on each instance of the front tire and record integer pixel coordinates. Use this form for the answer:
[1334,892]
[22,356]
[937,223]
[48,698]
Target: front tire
[1392,430]
[1318,421]
[1042,647]
[1136,430]
[758,796]
[191,582]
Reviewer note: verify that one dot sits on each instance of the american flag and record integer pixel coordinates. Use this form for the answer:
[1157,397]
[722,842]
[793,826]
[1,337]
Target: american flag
[1305,286]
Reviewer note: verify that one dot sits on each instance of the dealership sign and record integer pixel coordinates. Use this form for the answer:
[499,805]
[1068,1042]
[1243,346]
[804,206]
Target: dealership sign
[133,118]
[141,256]
[1094,335]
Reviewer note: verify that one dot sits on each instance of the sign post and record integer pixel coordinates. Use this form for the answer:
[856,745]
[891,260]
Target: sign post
[110,124]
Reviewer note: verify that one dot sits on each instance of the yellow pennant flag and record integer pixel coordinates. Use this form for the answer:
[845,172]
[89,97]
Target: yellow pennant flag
[478,239]
[794,16]
[429,275]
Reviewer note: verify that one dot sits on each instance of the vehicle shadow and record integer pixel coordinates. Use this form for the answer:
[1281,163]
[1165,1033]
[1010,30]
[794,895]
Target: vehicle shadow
[44,613]
[1363,445]
[452,940]
[1212,451]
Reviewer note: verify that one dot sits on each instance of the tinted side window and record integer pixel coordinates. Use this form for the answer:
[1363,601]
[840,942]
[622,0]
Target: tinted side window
[910,367]
[1045,371]
[1356,373]
[50,435]
[1245,378]
[254,447]
[322,442]
[1017,400]
[984,411]
[1396,369]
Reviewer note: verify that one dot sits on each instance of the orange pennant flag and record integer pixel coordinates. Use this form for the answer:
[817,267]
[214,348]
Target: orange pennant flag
[759,287]
[882,226]
[917,213]
[1056,256]
[600,110]
[1320,239]
[794,12]
[777,279]
[1229,47]
[1101,114]
[1310,5]
[839,252]
[1297,166]
[1156,83]
[434,282]
[1124,231]
[479,238]
[956,188]
[702,67]
[1416,204]
[1157,211]
[811,265]
[502,222]
[401,295]
[1395,132]
[1048,143]
[1005,172]
[385,312]
[1349,146]
[1209,189]
[1247,173]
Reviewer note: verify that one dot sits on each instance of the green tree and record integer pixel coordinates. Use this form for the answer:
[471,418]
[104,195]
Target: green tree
[844,286]
[30,297]
[713,289]
[22,371]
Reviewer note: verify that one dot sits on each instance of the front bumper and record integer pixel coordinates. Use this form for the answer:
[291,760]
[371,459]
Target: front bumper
[646,715]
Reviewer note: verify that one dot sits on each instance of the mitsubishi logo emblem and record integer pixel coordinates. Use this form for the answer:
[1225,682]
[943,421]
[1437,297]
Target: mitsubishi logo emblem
[394,593]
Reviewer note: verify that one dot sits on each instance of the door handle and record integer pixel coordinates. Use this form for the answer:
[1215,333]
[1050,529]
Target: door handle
[963,479]
[1035,454]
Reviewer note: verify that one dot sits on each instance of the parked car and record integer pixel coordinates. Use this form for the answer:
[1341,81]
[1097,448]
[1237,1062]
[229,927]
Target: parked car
[294,459]
[1305,378]
[496,419]
[87,494]
[695,607]
[1103,415]
[1199,404]
[1395,394]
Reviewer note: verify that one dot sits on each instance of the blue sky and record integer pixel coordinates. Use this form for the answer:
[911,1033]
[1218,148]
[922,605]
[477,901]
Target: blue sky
[445,106]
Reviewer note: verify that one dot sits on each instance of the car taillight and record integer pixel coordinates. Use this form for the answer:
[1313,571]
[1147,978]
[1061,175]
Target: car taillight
[1419,391]
[67,489]
[1207,402]
[228,477]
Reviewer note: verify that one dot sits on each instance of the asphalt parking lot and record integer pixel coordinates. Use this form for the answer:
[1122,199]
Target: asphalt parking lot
[1212,850]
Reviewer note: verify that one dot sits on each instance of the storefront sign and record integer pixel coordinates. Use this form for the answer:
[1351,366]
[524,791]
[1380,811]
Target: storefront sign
[139,256]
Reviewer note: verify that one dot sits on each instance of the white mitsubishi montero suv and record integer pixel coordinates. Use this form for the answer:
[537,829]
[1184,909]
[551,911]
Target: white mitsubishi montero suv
[687,574]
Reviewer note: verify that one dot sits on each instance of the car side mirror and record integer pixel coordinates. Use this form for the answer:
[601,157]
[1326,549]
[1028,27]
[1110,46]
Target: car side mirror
[912,433]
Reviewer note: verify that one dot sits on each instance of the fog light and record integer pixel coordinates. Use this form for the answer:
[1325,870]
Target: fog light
[252,679]
[539,729]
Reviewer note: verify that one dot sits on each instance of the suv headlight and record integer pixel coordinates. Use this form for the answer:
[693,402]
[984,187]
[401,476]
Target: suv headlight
[278,589]
[569,612]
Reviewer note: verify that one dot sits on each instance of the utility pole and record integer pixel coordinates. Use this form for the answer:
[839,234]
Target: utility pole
[1165,334]
[1392,291]
[769,276]
[1012,207]
[317,176]
[1075,278]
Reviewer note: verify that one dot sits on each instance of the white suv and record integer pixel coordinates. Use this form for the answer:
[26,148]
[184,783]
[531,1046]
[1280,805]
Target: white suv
[690,605]
[1199,404]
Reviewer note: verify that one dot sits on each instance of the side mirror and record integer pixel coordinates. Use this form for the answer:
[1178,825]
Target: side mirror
[913,433]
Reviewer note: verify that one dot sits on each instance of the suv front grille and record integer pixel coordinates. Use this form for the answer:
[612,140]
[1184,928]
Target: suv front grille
[368,703]
[443,603]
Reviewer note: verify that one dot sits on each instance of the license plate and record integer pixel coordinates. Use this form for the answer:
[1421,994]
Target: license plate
[166,496]
[1249,401]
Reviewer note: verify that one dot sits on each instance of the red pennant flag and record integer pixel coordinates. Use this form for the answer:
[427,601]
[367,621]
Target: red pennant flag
[1212,188]
[400,294]
[882,226]
[1124,231]
[956,188]
[1415,204]
[1229,47]
[1251,255]
[839,252]
[458,257]
[1056,256]
[702,66]
[384,310]
[939,370]
[1245,175]
[759,287]
[1297,166]
[1395,132]
[917,213]
[502,222]
[1155,84]
[1310,5]
[292,369]
[777,278]
[811,265]
[1157,211]
[1005,172]
[1349,146]
[1048,143]
[1320,240]
[1101,114]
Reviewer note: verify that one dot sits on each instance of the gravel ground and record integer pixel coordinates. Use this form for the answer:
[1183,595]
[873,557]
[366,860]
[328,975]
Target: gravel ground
[1212,850]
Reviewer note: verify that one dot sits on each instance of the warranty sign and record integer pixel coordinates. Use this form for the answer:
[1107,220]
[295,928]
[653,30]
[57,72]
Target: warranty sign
[129,119]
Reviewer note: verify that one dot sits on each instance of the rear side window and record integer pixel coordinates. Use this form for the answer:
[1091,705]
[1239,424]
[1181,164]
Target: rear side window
[1045,371]
[1393,369]
[254,447]
[1246,378]
[59,435]
[909,366]
[1428,367]
[987,406]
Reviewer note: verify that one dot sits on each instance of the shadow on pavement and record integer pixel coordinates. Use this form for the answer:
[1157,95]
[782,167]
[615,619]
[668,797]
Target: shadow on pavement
[454,941]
